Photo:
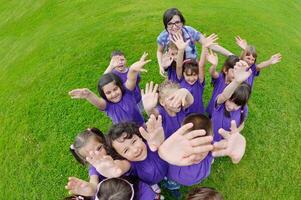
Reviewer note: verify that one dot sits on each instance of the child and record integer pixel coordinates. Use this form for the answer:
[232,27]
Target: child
[174,22]
[173,101]
[231,104]
[192,75]
[204,193]
[249,55]
[117,100]
[219,80]
[94,140]
[118,66]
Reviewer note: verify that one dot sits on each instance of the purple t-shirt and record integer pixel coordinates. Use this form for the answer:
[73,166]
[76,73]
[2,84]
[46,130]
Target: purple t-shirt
[151,170]
[190,175]
[171,124]
[219,85]
[255,73]
[124,77]
[220,120]
[197,92]
[126,110]
[145,192]
[172,74]
[93,171]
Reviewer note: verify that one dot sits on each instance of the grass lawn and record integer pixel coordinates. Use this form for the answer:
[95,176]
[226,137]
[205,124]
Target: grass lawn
[48,48]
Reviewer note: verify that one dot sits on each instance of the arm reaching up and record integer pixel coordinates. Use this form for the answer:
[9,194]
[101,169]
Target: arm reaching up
[150,98]
[273,60]
[80,187]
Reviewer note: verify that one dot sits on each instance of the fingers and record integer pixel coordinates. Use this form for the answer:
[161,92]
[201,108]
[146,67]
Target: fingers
[155,88]
[224,133]
[142,92]
[151,85]
[144,133]
[200,141]
[221,144]
[202,149]
[189,160]
[196,133]
[146,88]
[233,127]
[219,153]
[183,130]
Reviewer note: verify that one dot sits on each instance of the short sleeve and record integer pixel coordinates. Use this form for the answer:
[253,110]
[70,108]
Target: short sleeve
[196,35]
[93,171]
[162,38]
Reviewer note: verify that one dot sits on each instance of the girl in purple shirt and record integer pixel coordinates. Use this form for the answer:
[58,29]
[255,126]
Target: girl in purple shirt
[116,99]
[231,104]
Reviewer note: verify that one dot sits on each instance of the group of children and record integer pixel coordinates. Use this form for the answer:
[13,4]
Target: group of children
[177,144]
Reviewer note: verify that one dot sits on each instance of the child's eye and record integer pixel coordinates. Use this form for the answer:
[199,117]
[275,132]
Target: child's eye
[125,151]
[133,141]
[108,93]
[99,148]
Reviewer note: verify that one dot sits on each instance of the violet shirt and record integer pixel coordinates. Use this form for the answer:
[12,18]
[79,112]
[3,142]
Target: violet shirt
[126,110]
[93,171]
[219,86]
[197,92]
[171,124]
[172,74]
[190,175]
[255,73]
[151,170]
[145,192]
[123,77]
[220,120]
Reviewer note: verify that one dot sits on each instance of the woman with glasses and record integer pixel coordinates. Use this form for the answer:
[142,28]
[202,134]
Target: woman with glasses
[174,22]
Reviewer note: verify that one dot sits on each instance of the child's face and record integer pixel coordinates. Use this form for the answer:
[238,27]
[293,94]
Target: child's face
[249,59]
[231,106]
[229,74]
[173,53]
[166,101]
[133,149]
[190,77]
[113,92]
[92,145]
[121,63]
[174,25]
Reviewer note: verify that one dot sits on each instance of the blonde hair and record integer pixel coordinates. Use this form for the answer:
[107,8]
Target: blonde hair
[250,50]
[172,45]
[165,87]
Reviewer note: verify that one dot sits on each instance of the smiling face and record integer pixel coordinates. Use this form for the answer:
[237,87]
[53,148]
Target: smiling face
[121,63]
[132,149]
[92,145]
[113,92]
[231,106]
[249,59]
[190,76]
[174,25]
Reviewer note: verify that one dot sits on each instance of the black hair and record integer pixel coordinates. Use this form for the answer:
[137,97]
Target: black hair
[106,79]
[199,121]
[121,132]
[240,97]
[117,53]
[168,15]
[81,140]
[191,65]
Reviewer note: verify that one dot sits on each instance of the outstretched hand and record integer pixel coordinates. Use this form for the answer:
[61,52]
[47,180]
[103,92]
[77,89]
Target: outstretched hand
[81,93]
[166,60]
[78,186]
[242,43]
[138,66]
[241,71]
[150,96]
[177,39]
[275,58]
[154,133]
[233,144]
[104,165]
[210,40]
[182,146]
[212,58]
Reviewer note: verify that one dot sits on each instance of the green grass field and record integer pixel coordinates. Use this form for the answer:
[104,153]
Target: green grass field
[51,47]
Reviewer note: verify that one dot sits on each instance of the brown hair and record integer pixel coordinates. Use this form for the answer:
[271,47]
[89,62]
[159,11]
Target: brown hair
[199,121]
[229,63]
[191,65]
[164,87]
[81,140]
[204,193]
[250,50]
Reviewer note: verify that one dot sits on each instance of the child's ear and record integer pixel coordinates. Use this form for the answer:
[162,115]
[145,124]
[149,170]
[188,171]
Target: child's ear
[225,71]
[162,102]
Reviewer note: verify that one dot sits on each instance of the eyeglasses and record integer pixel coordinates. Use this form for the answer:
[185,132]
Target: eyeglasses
[176,23]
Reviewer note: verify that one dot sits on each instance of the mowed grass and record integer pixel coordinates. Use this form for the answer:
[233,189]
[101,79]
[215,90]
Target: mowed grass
[48,48]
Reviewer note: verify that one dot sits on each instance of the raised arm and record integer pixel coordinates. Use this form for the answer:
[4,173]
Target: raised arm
[212,58]
[135,68]
[181,97]
[150,98]
[112,65]
[159,58]
[181,45]
[273,60]
[78,186]
[217,48]
[206,43]
[84,93]
[240,74]
[242,43]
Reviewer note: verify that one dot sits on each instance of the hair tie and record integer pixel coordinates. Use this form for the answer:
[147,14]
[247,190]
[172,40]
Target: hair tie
[186,61]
